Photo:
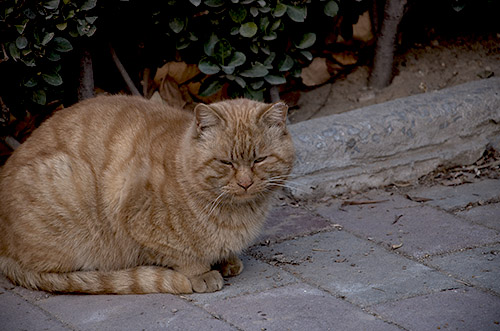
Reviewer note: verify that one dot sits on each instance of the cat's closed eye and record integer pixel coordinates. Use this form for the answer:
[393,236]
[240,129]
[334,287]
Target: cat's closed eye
[260,159]
[226,162]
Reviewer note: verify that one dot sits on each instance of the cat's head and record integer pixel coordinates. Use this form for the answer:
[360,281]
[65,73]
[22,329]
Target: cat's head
[240,149]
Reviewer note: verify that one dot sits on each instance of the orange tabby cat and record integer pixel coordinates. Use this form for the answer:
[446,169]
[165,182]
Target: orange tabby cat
[124,195]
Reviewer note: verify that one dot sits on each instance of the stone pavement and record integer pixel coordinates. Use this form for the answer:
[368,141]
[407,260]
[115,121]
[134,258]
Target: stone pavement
[377,260]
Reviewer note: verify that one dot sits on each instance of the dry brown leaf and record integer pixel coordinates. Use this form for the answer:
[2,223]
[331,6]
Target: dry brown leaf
[417,199]
[361,202]
[362,30]
[316,73]
[170,93]
[394,247]
[345,58]
[180,72]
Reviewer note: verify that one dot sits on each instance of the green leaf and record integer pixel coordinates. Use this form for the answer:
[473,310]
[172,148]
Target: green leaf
[228,69]
[176,24]
[280,10]
[237,60]
[47,38]
[241,82]
[20,27]
[257,70]
[307,55]
[29,13]
[209,45]
[271,36]
[264,23]
[275,80]
[276,25]
[222,51]
[40,97]
[91,19]
[52,4]
[297,14]
[62,26]
[254,95]
[238,14]
[196,3]
[331,9]
[14,51]
[248,30]
[62,44]
[214,3]
[286,64]
[307,40]
[268,62]
[210,86]
[31,83]
[182,43]
[53,56]
[208,67]
[257,85]
[29,61]
[89,4]
[254,11]
[254,48]
[21,42]
[52,79]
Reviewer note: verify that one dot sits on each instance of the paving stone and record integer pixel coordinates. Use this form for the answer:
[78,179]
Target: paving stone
[422,230]
[18,314]
[479,266]
[460,309]
[359,270]
[487,215]
[131,312]
[295,307]
[256,276]
[289,221]
[454,197]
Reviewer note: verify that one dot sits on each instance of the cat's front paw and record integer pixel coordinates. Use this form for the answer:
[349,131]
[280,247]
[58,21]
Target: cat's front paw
[208,282]
[231,267]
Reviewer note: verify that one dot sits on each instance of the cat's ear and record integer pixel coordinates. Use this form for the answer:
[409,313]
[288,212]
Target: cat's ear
[206,117]
[275,115]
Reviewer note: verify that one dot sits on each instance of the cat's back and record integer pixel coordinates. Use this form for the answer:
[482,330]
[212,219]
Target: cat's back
[96,129]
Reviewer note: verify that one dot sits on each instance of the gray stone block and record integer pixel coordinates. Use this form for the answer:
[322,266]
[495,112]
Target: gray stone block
[399,140]
[421,230]
[460,309]
[295,307]
[479,266]
[131,312]
[256,276]
[358,270]
[18,314]
[488,215]
[454,197]
[288,221]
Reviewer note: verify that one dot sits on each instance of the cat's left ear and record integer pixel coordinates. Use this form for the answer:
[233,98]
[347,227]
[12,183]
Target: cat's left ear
[275,115]
[206,117]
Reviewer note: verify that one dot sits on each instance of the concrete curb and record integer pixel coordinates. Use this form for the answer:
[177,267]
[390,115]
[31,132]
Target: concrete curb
[395,141]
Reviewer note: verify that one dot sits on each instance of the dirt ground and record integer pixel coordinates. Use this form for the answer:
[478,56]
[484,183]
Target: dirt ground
[424,67]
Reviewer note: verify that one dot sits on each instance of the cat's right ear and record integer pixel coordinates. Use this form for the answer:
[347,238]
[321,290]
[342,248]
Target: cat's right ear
[206,118]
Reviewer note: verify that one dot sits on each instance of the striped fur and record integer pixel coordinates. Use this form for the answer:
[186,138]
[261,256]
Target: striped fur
[124,195]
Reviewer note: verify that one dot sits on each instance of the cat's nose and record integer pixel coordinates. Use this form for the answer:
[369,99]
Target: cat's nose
[245,183]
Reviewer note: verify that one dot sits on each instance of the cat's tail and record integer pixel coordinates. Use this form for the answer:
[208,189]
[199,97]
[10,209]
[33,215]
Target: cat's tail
[138,280]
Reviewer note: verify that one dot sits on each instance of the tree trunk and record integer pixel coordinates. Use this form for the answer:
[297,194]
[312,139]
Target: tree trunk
[86,86]
[384,51]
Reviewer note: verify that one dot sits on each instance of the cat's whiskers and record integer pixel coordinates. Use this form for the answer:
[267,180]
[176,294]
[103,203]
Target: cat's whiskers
[275,181]
[216,203]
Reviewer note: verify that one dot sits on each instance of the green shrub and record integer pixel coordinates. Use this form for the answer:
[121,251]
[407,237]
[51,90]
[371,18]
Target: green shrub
[36,35]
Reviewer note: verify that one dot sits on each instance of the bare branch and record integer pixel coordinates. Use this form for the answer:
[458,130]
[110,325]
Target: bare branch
[130,84]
